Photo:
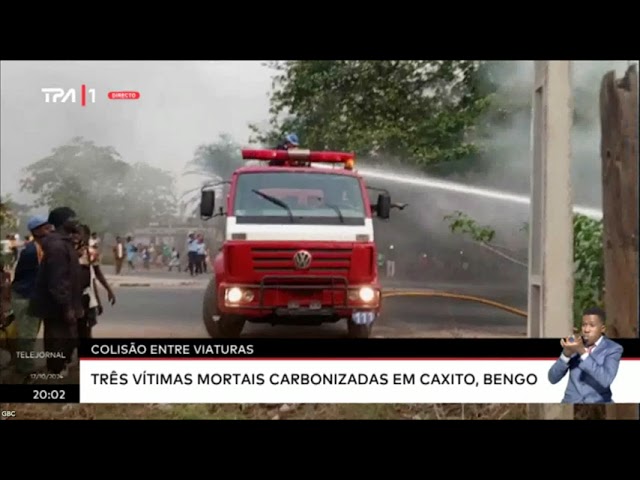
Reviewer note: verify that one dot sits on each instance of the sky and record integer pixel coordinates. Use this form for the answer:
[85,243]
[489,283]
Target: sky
[182,105]
[185,103]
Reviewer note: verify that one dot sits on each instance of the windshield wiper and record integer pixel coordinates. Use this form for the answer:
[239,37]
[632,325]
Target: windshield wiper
[275,201]
[337,210]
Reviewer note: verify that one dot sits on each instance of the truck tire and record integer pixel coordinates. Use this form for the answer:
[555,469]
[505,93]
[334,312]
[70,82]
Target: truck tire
[226,326]
[358,331]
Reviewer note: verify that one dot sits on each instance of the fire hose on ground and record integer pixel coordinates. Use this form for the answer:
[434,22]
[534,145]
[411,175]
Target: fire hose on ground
[456,296]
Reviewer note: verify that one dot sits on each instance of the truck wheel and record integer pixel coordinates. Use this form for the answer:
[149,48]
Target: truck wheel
[358,331]
[226,326]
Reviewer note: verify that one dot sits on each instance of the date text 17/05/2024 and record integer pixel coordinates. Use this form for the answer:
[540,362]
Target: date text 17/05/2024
[147,378]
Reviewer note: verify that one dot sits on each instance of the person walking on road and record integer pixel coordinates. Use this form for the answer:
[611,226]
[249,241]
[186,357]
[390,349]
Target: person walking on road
[131,254]
[192,254]
[118,255]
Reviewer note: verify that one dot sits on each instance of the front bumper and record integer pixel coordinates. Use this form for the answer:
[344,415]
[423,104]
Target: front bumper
[298,296]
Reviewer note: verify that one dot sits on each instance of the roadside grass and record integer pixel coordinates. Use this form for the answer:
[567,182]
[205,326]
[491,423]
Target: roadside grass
[264,412]
[282,412]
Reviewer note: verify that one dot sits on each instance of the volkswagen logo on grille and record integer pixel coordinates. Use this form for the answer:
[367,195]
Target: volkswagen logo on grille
[302,259]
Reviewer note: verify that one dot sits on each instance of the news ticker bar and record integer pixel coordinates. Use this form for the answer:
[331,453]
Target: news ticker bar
[265,380]
[323,381]
[472,348]
[64,393]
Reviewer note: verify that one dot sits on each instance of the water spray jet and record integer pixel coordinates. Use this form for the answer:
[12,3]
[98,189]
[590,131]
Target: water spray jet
[466,190]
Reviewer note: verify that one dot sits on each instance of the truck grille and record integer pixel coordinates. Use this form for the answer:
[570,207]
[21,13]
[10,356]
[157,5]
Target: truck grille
[324,261]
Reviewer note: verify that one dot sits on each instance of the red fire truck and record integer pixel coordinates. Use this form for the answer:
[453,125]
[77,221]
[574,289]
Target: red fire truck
[298,244]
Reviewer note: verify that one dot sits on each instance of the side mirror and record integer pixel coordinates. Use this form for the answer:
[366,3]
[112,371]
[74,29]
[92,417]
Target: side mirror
[207,203]
[383,206]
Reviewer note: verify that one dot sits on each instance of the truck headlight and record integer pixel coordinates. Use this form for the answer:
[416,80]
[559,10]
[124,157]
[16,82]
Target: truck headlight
[367,294]
[234,295]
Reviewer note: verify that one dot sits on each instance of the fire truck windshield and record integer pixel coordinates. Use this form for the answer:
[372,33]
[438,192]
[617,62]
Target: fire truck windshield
[302,198]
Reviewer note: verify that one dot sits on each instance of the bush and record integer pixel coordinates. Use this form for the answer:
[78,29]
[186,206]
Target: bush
[588,256]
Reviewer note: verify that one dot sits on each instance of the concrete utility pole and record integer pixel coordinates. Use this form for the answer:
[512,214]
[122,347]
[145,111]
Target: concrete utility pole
[619,151]
[551,215]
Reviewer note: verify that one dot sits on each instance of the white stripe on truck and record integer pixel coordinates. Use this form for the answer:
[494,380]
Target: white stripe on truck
[287,232]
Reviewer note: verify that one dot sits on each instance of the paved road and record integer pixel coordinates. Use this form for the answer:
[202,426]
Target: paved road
[176,311]
[161,311]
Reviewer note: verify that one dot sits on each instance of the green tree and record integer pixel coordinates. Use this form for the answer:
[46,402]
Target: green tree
[108,193]
[149,195]
[13,215]
[588,256]
[214,161]
[8,218]
[441,116]
[420,111]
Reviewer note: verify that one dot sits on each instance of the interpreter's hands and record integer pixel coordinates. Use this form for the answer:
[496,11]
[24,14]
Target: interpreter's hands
[572,345]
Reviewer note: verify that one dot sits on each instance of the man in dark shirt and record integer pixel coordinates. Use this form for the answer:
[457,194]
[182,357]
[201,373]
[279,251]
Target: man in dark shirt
[58,293]
[22,290]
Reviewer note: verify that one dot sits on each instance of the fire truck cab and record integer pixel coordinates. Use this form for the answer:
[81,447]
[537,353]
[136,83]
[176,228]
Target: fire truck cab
[298,244]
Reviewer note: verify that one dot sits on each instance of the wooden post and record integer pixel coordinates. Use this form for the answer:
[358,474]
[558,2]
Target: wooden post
[619,150]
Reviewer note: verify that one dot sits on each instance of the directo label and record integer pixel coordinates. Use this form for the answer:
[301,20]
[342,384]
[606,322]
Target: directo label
[124,95]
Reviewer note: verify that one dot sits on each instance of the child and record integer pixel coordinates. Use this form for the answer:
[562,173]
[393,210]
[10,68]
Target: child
[591,359]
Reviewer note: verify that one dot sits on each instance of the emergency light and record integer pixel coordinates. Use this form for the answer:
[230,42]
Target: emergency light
[300,155]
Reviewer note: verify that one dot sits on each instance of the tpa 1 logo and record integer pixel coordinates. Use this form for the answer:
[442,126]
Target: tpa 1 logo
[61,95]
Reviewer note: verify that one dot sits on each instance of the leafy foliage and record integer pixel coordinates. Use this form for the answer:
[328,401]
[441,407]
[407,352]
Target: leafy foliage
[217,160]
[149,195]
[430,114]
[463,224]
[8,217]
[213,161]
[13,216]
[422,111]
[108,193]
[588,256]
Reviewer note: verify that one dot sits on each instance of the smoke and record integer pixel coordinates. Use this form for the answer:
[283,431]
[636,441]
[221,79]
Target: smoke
[182,105]
[506,165]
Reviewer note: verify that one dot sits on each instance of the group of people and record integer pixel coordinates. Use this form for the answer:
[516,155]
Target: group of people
[163,256]
[137,253]
[197,253]
[55,285]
